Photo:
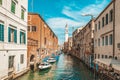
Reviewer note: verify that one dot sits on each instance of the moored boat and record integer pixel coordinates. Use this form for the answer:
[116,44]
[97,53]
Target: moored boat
[51,60]
[44,65]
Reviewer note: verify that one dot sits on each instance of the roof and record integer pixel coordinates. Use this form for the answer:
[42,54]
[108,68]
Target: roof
[43,21]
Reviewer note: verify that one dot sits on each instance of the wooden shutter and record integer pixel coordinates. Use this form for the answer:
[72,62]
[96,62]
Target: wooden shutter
[9,36]
[2,32]
[15,36]
[24,38]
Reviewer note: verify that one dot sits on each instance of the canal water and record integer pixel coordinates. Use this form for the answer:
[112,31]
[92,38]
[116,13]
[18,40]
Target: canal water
[66,68]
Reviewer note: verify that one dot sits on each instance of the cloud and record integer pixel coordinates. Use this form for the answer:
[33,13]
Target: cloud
[94,9]
[60,22]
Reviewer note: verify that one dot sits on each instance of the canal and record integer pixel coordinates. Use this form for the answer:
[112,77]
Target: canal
[66,68]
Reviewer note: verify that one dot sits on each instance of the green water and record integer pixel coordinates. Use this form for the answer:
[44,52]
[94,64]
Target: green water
[66,68]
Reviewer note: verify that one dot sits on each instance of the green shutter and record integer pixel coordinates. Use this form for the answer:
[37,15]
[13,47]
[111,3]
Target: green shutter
[15,36]
[24,38]
[2,32]
[22,14]
[9,32]
[13,7]
[20,36]
[0,2]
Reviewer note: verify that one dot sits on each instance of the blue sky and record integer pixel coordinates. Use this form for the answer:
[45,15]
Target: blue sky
[59,12]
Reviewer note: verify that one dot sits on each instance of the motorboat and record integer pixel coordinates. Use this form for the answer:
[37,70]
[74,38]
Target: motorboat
[44,65]
[51,60]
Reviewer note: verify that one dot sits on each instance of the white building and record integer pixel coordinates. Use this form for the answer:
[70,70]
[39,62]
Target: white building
[13,33]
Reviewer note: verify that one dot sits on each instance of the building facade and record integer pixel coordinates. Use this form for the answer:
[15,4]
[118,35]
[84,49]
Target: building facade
[70,45]
[83,41]
[13,38]
[86,44]
[47,40]
[116,27]
[103,34]
[75,44]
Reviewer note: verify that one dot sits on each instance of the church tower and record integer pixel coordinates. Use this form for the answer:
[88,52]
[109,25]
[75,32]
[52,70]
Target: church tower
[66,33]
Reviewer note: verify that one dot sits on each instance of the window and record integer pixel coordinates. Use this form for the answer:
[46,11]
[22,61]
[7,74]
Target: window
[96,27]
[105,56]
[45,41]
[102,41]
[99,25]
[22,14]
[22,58]
[106,18]
[103,22]
[98,56]
[28,28]
[11,62]
[12,35]
[34,28]
[111,39]
[102,56]
[1,32]
[106,40]
[95,56]
[0,2]
[13,5]
[111,15]
[95,43]
[98,42]
[22,37]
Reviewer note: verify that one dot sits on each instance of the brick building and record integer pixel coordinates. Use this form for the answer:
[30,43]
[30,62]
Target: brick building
[41,35]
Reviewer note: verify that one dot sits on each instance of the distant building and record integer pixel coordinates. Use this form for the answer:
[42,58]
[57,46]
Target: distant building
[13,38]
[69,45]
[65,50]
[75,42]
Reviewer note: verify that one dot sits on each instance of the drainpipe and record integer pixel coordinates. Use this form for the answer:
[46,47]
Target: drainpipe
[114,28]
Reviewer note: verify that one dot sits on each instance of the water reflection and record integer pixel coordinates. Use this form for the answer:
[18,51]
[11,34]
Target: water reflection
[66,68]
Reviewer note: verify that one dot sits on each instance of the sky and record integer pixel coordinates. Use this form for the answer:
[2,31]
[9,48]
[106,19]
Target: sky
[58,13]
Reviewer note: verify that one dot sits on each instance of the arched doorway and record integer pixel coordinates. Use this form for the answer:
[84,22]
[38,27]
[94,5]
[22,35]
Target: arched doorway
[32,57]
[32,62]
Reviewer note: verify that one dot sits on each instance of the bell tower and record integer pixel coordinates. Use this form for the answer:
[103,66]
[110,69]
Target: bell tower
[66,33]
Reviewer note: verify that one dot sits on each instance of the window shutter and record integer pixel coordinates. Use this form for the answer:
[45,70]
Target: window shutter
[9,37]
[20,36]
[2,32]
[15,36]
[24,38]
[0,2]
